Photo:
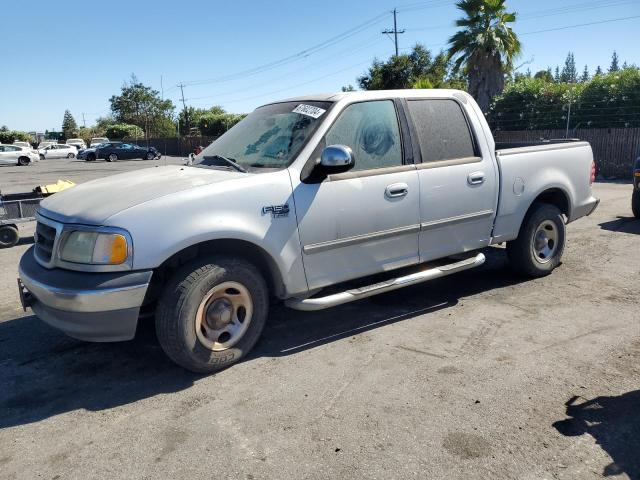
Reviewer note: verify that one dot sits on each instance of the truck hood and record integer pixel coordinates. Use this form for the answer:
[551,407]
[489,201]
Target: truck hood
[94,202]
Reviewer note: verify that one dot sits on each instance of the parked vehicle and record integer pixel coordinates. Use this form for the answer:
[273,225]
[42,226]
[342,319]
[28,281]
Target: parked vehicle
[88,153]
[635,197]
[23,144]
[16,155]
[57,150]
[98,140]
[302,195]
[114,151]
[76,142]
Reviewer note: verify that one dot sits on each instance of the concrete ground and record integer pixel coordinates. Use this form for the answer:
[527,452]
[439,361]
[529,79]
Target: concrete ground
[479,375]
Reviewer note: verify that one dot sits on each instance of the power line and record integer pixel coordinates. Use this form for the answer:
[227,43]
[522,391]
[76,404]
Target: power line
[581,25]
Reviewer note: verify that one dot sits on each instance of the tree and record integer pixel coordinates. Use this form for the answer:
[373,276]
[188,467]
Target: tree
[569,73]
[123,130]
[215,124]
[348,88]
[614,63]
[544,75]
[598,71]
[69,125]
[406,71]
[193,115]
[585,75]
[485,47]
[140,105]
[556,75]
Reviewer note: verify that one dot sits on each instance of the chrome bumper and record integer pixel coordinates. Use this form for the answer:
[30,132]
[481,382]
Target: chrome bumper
[99,307]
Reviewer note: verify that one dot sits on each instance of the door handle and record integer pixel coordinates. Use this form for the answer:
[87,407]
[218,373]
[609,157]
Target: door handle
[476,178]
[396,190]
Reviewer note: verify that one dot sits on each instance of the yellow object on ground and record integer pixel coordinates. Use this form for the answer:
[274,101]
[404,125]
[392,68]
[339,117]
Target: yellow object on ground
[54,187]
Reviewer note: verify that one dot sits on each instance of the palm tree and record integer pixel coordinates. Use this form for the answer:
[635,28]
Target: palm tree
[485,47]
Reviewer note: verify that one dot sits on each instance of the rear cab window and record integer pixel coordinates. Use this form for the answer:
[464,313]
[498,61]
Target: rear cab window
[443,130]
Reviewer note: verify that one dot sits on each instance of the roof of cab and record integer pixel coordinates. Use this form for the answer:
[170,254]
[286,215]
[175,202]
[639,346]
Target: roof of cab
[374,94]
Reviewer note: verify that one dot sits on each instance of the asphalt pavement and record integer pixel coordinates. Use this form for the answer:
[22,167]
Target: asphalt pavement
[480,375]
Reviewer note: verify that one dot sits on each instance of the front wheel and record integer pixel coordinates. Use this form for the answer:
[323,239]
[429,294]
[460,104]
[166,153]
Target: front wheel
[538,249]
[24,161]
[150,156]
[71,155]
[91,157]
[635,203]
[112,157]
[212,313]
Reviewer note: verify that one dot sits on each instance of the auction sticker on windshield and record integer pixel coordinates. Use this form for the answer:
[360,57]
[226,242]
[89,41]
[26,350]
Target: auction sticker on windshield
[309,110]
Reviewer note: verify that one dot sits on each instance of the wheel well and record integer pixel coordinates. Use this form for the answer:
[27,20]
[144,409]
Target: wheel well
[247,250]
[555,197]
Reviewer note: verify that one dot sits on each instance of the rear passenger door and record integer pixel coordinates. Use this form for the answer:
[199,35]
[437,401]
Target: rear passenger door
[458,186]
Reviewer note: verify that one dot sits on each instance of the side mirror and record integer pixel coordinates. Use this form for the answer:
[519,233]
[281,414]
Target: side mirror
[337,158]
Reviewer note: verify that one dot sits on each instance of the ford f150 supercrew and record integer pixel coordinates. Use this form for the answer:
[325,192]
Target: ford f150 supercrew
[303,194]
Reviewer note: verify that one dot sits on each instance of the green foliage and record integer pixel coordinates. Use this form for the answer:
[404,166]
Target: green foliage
[348,88]
[194,115]
[606,101]
[585,75]
[69,125]
[545,75]
[215,124]
[569,73]
[140,105]
[10,136]
[407,71]
[615,67]
[123,130]
[485,47]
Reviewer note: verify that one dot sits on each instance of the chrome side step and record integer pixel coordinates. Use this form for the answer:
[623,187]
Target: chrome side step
[320,303]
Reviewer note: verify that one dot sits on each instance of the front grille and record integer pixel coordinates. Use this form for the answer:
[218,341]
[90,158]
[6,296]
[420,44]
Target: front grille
[45,238]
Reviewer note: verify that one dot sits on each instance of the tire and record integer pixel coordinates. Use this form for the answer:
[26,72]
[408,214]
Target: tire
[112,157]
[187,300]
[635,203]
[42,157]
[538,249]
[150,156]
[9,236]
[71,155]
[91,157]
[24,161]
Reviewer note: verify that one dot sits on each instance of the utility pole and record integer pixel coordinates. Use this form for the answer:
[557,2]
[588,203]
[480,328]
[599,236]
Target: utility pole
[83,121]
[395,30]
[184,107]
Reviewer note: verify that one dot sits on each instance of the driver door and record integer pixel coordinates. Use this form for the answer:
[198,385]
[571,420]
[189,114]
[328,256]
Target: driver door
[365,220]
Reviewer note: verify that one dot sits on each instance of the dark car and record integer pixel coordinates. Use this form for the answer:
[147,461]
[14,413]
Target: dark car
[635,198]
[114,151]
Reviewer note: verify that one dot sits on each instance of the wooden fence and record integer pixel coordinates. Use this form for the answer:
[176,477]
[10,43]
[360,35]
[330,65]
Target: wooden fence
[614,149]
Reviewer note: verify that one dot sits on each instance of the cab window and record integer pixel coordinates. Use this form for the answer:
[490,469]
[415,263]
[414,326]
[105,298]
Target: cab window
[371,130]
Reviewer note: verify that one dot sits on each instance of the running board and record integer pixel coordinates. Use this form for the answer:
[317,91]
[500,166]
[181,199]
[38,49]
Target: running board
[320,303]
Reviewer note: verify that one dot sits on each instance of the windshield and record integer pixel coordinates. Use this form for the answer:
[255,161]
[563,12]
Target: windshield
[270,137]
[99,140]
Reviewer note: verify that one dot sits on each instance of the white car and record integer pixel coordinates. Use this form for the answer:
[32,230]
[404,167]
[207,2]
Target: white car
[16,155]
[76,142]
[97,141]
[58,150]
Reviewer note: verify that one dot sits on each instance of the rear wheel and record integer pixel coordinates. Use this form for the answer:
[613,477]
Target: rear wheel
[112,157]
[635,203]
[24,161]
[212,313]
[150,156]
[71,155]
[41,157]
[8,236]
[91,157]
[538,249]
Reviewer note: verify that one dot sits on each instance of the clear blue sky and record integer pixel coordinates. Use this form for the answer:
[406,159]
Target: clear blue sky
[77,54]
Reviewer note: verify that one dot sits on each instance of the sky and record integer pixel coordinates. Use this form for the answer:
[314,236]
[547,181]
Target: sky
[241,54]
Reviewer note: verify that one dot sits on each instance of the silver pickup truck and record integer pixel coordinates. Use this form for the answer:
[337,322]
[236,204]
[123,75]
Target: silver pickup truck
[304,201]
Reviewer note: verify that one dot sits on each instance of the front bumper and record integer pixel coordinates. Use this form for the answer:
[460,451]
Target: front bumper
[96,307]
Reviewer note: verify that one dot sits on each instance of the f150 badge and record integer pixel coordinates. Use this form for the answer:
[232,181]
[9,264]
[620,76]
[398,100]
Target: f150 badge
[276,211]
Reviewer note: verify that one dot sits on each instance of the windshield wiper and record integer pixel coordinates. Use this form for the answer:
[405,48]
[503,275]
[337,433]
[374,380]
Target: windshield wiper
[230,162]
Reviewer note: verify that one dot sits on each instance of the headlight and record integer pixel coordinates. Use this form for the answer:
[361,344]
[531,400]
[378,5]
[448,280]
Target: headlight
[95,248]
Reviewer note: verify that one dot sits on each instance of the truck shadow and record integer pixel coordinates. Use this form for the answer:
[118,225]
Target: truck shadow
[623,224]
[614,423]
[43,373]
